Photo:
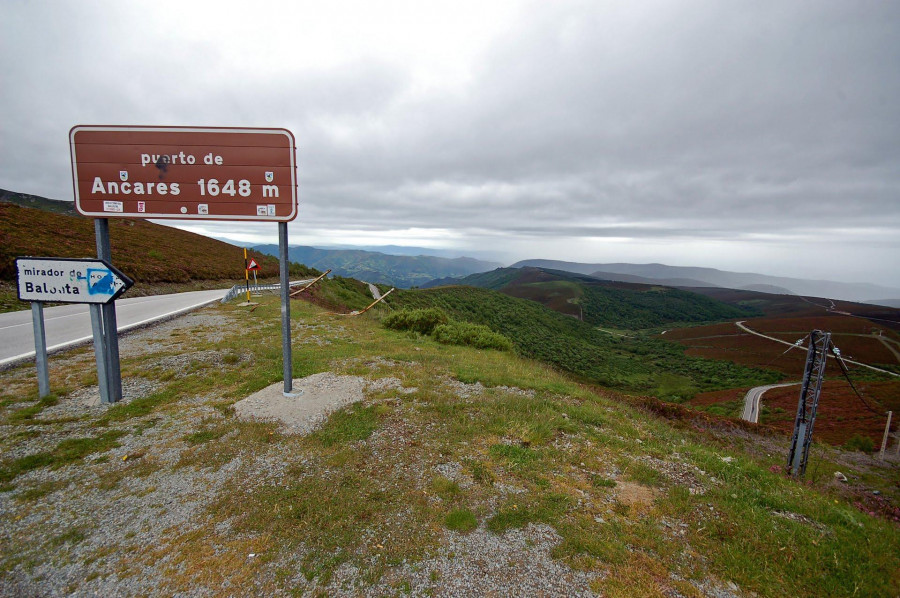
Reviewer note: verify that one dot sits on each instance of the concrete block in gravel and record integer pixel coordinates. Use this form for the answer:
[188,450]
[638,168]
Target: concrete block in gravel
[322,394]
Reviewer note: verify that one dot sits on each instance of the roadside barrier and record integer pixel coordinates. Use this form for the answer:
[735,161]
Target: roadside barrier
[239,289]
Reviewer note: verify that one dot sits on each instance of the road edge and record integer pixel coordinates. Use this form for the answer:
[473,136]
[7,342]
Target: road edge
[11,362]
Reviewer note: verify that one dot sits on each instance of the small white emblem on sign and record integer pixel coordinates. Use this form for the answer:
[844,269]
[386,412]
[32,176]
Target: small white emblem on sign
[262,211]
[183,210]
[270,176]
[112,206]
[271,209]
[123,175]
[203,208]
[142,206]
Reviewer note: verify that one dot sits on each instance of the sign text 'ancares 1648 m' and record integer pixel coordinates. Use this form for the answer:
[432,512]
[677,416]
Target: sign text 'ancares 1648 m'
[188,173]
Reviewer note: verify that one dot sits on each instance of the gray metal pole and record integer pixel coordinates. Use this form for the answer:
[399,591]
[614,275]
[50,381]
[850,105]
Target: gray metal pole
[285,308]
[100,352]
[110,326]
[40,348]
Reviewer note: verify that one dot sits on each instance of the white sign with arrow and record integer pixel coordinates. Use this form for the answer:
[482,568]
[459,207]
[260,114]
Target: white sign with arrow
[63,280]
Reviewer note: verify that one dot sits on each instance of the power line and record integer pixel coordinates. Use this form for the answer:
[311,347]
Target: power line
[798,344]
[837,353]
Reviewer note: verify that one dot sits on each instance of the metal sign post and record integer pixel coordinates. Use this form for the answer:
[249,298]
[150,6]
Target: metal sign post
[288,363]
[100,353]
[185,173]
[92,281]
[254,266]
[40,348]
[247,274]
[110,326]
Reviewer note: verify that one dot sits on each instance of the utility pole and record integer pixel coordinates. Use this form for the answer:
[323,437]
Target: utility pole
[813,376]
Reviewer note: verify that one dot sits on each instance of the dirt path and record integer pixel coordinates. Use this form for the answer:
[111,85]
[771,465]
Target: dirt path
[885,342]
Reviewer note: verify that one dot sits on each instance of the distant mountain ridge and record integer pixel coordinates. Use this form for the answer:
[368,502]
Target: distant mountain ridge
[402,271]
[666,275]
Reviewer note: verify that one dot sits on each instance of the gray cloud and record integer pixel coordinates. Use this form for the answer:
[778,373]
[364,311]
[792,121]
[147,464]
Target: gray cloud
[766,124]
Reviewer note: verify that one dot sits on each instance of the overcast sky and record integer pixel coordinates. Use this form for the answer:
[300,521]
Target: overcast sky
[752,136]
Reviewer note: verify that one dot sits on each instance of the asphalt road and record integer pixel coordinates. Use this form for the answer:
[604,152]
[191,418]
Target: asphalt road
[751,401]
[71,324]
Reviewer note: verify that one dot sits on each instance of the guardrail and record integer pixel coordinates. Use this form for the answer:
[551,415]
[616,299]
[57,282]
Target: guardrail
[242,288]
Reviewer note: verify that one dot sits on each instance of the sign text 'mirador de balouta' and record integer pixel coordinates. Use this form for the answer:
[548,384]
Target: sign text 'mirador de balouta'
[62,280]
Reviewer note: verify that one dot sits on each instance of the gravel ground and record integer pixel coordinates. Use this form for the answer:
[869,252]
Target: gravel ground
[115,524]
[518,563]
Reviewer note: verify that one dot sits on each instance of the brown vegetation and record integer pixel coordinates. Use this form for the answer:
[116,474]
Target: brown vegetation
[841,413]
[147,252]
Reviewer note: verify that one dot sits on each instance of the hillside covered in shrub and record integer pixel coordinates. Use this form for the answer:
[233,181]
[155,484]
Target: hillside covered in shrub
[605,303]
[639,363]
[145,251]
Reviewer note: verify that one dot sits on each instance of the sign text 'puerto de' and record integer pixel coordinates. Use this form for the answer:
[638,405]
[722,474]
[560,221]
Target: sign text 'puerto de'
[184,172]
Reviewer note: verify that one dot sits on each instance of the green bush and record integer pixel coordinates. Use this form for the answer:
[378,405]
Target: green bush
[860,443]
[301,270]
[472,335]
[422,321]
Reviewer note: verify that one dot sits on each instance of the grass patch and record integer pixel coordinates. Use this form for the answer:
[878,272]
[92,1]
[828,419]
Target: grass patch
[644,474]
[140,407]
[445,488]
[207,434]
[479,471]
[66,452]
[330,514]
[72,536]
[461,520]
[519,456]
[42,490]
[352,424]
[547,509]
[601,482]
[26,415]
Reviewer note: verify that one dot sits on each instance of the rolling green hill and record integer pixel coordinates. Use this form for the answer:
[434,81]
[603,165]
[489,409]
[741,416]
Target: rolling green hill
[608,304]
[635,364]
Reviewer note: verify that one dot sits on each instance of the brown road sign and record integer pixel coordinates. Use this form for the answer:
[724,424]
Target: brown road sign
[190,173]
